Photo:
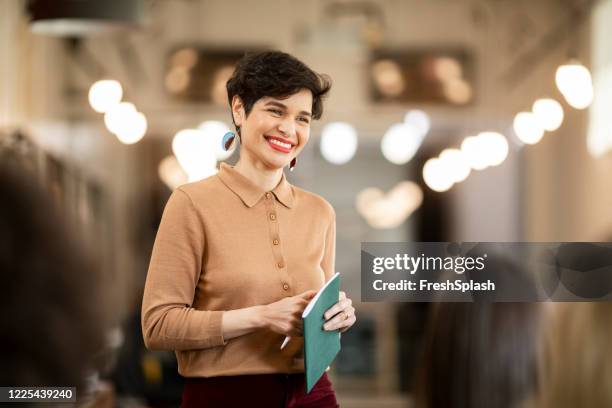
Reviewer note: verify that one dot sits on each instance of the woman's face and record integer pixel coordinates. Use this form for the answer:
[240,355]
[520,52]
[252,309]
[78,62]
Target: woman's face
[276,130]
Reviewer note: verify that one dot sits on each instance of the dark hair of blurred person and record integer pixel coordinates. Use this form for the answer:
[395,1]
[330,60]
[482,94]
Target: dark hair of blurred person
[577,365]
[479,355]
[51,325]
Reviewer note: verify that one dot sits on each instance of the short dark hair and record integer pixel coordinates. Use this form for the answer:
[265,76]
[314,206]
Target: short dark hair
[275,74]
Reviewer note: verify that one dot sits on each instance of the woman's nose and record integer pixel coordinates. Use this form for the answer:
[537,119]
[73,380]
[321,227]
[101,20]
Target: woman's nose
[287,127]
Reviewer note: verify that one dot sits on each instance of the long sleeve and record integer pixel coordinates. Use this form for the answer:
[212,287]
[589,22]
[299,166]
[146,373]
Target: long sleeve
[226,244]
[328,263]
[169,322]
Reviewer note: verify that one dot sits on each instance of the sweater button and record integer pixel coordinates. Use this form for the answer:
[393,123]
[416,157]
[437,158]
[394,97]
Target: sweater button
[276,242]
[286,286]
[272,216]
[268,195]
[280,265]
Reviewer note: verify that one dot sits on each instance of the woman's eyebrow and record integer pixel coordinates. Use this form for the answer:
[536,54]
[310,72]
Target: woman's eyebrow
[280,105]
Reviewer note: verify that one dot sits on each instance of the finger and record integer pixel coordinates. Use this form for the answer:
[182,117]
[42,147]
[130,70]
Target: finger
[350,322]
[337,308]
[309,294]
[297,313]
[345,318]
[347,323]
[332,311]
[298,327]
[336,322]
[302,304]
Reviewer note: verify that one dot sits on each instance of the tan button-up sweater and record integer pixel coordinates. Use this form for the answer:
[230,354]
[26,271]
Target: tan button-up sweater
[225,244]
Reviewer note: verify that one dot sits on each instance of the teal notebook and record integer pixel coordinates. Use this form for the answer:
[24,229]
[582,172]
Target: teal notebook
[320,347]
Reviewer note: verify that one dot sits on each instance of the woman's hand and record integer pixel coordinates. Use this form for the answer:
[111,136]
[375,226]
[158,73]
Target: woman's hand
[285,316]
[340,316]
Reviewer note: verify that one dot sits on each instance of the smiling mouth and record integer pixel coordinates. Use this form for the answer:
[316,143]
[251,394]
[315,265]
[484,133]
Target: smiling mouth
[278,145]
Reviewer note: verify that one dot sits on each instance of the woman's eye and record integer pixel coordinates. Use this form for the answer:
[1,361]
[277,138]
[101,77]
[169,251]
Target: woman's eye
[304,120]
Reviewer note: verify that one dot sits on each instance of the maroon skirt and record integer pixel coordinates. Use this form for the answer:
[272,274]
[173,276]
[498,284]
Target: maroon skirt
[262,390]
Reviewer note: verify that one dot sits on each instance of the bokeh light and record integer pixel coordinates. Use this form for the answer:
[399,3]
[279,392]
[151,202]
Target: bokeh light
[401,142]
[117,115]
[212,133]
[458,91]
[495,147]
[436,176]
[548,113]
[419,119]
[105,94]
[133,128]
[455,165]
[388,77]
[527,128]
[474,153]
[185,57]
[389,210]
[338,142]
[194,154]
[177,79]
[575,83]
[447,68]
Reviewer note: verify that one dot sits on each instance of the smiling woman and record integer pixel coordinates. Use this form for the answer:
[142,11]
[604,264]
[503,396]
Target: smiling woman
[239,255]
[273,97]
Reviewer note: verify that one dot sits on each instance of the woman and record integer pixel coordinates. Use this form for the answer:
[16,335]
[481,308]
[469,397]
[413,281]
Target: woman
[238,255]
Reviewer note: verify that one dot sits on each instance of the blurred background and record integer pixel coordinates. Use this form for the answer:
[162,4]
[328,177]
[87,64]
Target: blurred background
[448,120]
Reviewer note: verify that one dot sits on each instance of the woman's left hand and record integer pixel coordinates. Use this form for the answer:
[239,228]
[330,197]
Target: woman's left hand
[340,316]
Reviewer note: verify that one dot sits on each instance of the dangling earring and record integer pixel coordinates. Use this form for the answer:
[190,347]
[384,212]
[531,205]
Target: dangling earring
[292,164]
[228,139]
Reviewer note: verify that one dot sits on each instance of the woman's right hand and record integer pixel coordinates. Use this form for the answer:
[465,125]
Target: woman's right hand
[285,316]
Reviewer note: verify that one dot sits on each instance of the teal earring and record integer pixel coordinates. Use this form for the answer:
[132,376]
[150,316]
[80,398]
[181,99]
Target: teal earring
[228,140]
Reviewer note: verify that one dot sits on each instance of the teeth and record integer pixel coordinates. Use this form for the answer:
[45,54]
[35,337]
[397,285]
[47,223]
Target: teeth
[279,143]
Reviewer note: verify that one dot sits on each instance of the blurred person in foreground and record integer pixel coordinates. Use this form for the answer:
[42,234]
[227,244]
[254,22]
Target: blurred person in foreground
[479,355]
[577,365]
[239,255]
[51,327]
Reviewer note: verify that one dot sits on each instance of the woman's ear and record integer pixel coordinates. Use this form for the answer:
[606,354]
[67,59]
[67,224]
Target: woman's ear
[237,110]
